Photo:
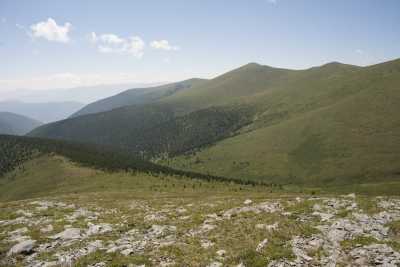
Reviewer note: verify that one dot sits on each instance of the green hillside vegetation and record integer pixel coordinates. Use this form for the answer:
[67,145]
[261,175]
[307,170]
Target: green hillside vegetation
[11,123]
[151,130]
[332,124]
[229,88]
[137,96]
[50,175]
[33,171]
[345,132]
[15,151]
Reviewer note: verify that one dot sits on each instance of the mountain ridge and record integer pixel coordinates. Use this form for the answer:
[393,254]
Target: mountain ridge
[45,111]
[252,100]
[12,123]
[136,96]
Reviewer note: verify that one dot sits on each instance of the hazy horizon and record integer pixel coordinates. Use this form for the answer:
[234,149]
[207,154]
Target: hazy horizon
[80,94]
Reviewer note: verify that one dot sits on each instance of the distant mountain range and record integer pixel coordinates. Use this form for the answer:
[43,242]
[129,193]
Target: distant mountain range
[45,112]
[14,124]
[331,124]
[82,94]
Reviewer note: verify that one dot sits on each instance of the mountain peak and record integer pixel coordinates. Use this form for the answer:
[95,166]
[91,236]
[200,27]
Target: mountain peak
[336,65]
[333,64]
[252,64]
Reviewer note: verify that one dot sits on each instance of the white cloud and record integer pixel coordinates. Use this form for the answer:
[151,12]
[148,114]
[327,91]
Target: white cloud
[3,20]
[111,43]
[50,31]
[272,1]
[111,39]
[359,51]
[163,45]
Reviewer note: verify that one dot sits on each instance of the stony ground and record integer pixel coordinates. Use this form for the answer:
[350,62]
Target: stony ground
[106,230]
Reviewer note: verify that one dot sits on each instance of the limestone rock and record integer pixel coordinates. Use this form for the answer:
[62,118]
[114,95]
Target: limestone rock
[68,234]
[247,202]
[95,229]
[262,245]
[47,229]
[24,247]
[215,264]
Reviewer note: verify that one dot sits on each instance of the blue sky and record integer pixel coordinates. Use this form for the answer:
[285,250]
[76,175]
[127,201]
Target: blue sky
[52,44]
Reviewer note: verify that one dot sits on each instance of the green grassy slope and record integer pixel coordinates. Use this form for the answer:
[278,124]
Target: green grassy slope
[253,83]
[15,150]
[229,88]
[342,133]
[137,96]
[50,175]
[11,123]
[53,175]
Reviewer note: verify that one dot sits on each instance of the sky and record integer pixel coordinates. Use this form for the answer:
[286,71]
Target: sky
[68,43]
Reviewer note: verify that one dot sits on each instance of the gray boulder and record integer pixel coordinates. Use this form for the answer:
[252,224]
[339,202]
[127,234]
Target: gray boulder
[24,247]
[68,234]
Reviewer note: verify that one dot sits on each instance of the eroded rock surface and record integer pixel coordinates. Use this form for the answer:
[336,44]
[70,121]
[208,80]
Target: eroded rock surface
[298,231]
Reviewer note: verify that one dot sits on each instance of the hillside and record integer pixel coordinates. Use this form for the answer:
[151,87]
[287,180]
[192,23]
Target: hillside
[45,112]
[52,174]
[150,130]
[231,87]
[11,123]
[136,96]
[324,124]
[346,132]
[16,150]
[31,167]
[138,128]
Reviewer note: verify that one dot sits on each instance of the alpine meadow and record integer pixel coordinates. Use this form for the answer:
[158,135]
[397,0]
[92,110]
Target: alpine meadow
[137,133]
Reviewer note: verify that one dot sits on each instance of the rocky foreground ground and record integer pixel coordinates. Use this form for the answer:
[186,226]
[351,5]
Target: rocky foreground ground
[96,230]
